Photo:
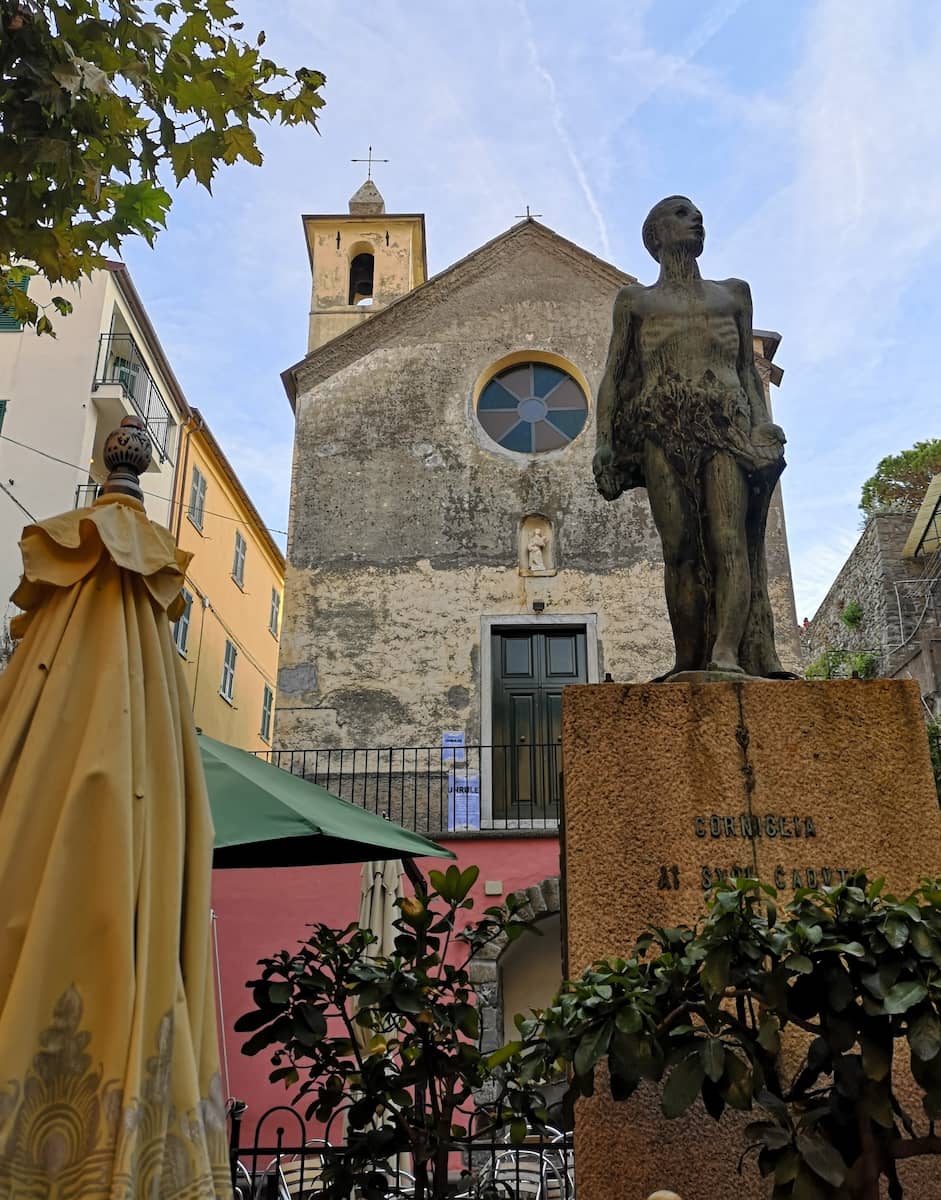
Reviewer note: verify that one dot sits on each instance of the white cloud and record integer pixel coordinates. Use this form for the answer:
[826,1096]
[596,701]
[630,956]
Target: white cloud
[816,564]
[845,231]
[558,122]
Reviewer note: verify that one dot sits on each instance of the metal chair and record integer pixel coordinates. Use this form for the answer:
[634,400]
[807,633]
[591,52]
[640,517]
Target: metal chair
[301,1173]
[244,1188]
[270,1184]
[523,1175]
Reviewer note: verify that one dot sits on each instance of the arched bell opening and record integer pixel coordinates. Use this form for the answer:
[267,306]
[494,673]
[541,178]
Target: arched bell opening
[362,273]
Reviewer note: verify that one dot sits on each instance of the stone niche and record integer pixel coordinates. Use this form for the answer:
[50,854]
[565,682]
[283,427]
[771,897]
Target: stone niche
[537,549]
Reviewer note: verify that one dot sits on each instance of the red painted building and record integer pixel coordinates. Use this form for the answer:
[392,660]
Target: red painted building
[258,912]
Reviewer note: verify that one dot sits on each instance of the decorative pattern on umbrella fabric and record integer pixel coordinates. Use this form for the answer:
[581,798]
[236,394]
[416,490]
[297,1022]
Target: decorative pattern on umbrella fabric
[74,1127]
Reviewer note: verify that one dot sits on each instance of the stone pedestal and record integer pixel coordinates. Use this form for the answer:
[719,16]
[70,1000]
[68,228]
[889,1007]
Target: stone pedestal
[669,786]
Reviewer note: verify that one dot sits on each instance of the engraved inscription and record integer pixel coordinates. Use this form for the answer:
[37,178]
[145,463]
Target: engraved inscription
[754,825]
[669,879]
[747,828]
[783,878]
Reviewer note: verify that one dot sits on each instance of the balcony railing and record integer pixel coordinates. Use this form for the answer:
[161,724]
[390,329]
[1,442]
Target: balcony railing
[120,361]
[438,790]
[86,494]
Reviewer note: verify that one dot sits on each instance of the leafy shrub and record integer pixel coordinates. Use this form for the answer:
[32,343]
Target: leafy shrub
[851,614]
[390,1042]
[702,1011]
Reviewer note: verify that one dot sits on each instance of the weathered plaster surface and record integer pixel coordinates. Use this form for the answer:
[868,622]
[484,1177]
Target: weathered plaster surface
[865,578]
[405,516]
[394,651]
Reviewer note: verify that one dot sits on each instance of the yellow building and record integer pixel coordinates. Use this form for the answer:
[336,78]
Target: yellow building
[228,634]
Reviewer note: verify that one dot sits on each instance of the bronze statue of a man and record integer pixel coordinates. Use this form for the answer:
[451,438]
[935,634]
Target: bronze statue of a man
[682,411]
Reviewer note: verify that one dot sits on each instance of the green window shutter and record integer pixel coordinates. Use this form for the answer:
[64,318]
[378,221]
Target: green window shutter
[8,322]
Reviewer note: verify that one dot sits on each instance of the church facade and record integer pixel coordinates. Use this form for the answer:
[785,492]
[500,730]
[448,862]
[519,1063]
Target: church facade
[450,564]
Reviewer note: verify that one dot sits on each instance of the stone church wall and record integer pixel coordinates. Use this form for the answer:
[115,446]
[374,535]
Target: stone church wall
[406,518]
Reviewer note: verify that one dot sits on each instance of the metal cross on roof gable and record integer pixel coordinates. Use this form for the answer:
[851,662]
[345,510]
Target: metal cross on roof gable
[369,161]
[527,215]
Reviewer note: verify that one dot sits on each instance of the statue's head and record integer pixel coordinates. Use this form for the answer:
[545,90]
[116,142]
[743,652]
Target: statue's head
[675,221]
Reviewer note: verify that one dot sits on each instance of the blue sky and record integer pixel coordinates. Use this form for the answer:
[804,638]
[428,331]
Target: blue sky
[806,131]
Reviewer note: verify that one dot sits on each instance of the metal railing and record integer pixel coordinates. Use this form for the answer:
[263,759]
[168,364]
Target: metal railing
[86,494]
[120,361]
[285,1160]
[918,599]
[435,789]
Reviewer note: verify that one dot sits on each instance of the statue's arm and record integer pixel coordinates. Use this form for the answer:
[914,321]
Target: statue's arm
[618,352]
[617,381]
[747,371]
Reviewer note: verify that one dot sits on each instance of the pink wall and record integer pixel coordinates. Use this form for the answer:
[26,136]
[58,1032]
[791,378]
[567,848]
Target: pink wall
[259,912]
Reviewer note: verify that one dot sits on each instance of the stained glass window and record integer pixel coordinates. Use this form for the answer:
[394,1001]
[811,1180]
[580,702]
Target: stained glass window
[532,408]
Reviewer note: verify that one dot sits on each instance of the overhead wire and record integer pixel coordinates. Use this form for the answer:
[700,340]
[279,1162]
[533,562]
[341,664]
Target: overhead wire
[17,502]
[223,516]
[155,495]
[233,637]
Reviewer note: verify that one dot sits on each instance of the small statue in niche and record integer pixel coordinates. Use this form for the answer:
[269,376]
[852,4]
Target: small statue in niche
[535,544]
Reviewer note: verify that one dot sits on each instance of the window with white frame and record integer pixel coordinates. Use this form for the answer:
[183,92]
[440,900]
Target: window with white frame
[197,504]
[267,703]
[228,671]
[275,612]
[238,562]
[181,626]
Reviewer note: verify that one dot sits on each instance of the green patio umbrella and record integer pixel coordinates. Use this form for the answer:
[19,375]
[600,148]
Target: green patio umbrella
[267,817]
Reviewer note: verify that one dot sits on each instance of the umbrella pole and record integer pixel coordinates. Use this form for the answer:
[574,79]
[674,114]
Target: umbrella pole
[415,877]
[215,951]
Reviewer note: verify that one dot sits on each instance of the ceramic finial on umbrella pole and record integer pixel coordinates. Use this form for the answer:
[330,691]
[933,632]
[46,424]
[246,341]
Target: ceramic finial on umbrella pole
[127,456]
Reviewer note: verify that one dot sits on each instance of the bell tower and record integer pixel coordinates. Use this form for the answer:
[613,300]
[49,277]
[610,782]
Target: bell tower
[360,262]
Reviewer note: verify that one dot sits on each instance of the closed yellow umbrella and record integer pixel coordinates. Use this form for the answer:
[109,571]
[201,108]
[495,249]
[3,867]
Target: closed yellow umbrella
[109,1083]
[381,886]
[381,882]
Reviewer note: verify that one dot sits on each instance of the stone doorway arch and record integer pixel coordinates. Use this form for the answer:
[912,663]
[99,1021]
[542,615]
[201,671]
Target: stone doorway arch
[538,902]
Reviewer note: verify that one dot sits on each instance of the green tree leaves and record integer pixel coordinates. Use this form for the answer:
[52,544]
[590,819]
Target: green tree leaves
[683,1086]
[100,108]
[900,480]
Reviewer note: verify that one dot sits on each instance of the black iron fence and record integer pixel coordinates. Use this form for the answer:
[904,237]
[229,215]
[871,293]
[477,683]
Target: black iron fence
[437,790]
[282,1161]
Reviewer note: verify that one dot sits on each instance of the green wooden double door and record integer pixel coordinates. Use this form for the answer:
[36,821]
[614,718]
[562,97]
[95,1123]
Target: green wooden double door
[530,669]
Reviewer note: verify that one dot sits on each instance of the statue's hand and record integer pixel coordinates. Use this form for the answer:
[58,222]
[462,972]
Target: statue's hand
[768,442]
[767,431]
[607,477]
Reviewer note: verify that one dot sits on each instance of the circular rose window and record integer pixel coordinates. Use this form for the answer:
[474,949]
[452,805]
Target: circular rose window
[532,407]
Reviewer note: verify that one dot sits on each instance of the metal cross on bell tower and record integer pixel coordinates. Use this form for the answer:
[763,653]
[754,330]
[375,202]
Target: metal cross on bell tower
[369,162]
